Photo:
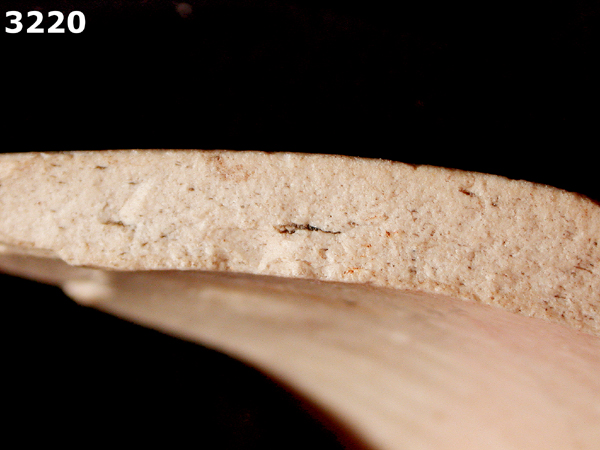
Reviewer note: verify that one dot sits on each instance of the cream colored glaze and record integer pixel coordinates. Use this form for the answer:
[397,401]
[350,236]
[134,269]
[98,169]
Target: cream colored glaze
[400,369]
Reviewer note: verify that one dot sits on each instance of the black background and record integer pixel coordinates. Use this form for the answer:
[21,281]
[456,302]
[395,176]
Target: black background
[501,87]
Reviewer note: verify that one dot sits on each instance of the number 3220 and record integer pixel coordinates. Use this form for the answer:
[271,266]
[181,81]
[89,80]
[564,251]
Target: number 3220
[72,25]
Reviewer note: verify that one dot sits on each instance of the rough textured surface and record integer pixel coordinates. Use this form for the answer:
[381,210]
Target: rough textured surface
[529,248]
